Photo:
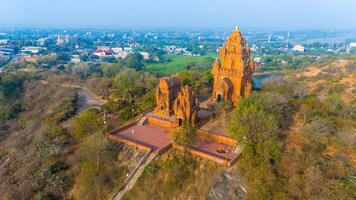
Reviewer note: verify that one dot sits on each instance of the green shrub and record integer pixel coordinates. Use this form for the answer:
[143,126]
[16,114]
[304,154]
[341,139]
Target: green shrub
[184,135]
[87,122]
[10,111]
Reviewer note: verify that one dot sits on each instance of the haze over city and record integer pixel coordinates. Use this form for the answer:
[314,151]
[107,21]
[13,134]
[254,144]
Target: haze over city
[177,99]
[210,14]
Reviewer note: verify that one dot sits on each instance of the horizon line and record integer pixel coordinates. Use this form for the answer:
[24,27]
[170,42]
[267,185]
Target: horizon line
[191,28]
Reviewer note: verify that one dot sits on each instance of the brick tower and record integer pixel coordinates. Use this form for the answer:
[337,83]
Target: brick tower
[165,95]
[186,107]
[233,70]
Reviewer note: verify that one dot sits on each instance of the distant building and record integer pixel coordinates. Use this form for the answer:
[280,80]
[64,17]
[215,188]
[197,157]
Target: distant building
[350,47]
[103,53]
[257,59]
[122,55]
[75,59]
[67,38]
[3,41]
[298,48]
[6,52]
[32,49]
[123,52]
[145,55]
[41,41]
[156,58]
[128,50]
[117,49]
[59,40]
[173,50]
[106,48]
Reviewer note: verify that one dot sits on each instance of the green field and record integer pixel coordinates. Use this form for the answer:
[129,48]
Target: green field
[177,63]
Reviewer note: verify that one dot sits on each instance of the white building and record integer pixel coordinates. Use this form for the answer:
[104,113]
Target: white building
[257,59]
[41,41]
[3,41]
[145,55]
[59,40]
[105,48]
[75,59]
[298,47]
[123,52]
[117,49]
[128,49]
[352,45]
[32,49]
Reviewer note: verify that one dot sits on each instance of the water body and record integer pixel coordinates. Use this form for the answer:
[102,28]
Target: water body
[260,79]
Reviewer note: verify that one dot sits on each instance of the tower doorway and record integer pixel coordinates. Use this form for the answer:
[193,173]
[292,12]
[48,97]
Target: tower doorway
[180,122]
[219,98]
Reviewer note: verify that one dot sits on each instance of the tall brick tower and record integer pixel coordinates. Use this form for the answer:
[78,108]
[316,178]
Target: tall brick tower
[233,70]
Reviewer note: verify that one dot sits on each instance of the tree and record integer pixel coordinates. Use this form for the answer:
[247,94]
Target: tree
[81,68]
[127,79]
[110,70]
[135,61]
[255,123]
[87,122]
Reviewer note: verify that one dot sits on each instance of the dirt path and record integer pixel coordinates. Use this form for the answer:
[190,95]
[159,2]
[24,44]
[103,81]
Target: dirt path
[87,99]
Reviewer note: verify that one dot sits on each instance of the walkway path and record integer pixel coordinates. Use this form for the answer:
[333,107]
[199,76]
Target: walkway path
[134,176]
[4,161]
[87,98]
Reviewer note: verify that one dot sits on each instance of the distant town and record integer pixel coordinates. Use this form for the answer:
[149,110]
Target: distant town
[95,46]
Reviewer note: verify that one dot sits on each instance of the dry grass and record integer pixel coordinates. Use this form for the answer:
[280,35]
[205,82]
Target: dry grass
[195,178]
[319,77]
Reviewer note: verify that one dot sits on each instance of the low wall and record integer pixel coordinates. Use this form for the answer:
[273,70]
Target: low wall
[161,151]
[113,132]
[193,151]
[217,138]
[133,144]
[159,122]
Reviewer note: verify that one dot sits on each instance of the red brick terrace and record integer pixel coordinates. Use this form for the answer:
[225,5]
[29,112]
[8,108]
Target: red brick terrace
[145,137]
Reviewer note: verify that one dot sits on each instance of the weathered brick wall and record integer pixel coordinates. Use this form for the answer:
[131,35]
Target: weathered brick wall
[217,138]
[159,122]
[193,151]
[133,144]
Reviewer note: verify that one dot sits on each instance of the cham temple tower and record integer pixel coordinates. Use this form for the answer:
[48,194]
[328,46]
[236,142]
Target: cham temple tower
[232,70]
[176,104]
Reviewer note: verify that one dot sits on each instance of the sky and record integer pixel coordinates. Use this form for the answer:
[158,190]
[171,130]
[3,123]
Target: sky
[197,14]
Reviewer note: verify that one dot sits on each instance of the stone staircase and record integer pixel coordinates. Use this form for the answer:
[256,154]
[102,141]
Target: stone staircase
[4,161]
[238,149]
[134,176]
[142,121]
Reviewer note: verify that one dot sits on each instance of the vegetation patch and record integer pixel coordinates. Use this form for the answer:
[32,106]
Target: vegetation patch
[176,63]
[175,175]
